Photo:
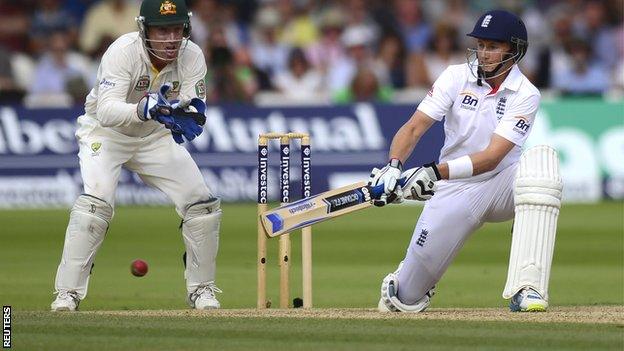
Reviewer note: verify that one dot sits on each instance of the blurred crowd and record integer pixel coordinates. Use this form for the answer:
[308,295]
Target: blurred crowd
[305,51]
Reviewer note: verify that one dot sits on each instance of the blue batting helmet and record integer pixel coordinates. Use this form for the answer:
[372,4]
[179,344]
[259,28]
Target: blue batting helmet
[504,26]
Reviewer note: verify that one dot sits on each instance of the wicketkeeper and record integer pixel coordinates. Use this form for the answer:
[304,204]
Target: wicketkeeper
[488,107]
[148,99]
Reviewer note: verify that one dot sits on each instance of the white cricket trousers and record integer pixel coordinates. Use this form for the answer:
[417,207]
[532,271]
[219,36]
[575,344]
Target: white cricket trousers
[157,159]
[457,209]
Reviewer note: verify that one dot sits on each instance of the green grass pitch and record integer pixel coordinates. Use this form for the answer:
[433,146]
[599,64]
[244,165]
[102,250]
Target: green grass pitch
[350,257]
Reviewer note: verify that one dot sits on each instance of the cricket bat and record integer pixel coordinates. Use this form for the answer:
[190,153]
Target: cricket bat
[320,207]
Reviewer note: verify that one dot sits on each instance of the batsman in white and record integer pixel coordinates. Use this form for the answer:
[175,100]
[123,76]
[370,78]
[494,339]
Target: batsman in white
[482,175]
[126,124]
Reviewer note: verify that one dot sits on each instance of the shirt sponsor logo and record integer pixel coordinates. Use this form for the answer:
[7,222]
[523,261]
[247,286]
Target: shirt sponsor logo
[167,8]
[469,100]
[105,84]
[143,83]
[522,126]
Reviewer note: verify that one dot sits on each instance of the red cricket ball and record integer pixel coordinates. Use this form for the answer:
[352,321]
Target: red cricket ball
[138,268]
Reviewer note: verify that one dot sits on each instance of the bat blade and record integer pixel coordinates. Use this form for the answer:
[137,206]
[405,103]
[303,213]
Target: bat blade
[317,208]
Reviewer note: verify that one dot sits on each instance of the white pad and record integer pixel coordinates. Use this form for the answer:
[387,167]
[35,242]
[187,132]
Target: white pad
[200,230]
[87,227]
[537,197]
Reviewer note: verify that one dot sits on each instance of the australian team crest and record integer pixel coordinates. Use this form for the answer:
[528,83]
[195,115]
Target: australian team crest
[143,83]
[167,8]
[95,147]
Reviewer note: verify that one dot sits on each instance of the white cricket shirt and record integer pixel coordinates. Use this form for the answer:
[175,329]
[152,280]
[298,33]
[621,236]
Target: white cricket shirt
[126,74]
[473,113]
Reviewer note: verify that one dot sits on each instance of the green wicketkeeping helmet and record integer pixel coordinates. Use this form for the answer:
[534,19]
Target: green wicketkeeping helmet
[163,13]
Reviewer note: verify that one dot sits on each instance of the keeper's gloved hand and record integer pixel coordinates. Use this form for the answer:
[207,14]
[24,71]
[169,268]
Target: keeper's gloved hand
[188,120]
[420,182]
[156,106]
[388,176]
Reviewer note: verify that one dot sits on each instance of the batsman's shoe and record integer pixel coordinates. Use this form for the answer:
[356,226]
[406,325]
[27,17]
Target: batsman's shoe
[65,301]
[389,302]
[528,300]
[204,297]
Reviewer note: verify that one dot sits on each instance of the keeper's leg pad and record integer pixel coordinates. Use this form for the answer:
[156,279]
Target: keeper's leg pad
[200,230]
[88,223]
[537,197]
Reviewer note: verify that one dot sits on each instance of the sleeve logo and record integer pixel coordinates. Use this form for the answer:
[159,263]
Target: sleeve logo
[522,126]
[200,89]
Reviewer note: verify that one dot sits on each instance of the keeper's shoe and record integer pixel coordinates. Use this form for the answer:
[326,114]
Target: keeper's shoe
[65,301]
[528,300]
[204,297]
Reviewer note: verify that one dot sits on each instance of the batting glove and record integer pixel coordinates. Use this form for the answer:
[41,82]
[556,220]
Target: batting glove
[420,182]
[388,176]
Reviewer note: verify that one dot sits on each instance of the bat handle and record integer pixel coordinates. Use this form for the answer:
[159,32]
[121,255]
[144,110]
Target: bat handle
[378,190]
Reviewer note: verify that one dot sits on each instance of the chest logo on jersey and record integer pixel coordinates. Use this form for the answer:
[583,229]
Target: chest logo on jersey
[522,126]
[143,83]
[469,100]
[500,107]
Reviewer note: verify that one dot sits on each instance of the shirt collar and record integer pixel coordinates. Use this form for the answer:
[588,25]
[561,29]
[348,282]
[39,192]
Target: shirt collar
[512,82]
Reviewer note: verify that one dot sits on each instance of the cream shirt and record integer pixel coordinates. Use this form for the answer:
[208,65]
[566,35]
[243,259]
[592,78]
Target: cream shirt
[124,76]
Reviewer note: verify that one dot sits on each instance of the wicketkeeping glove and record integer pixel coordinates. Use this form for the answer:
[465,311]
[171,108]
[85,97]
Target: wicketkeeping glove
[155,106]
[420,182]
[189,120]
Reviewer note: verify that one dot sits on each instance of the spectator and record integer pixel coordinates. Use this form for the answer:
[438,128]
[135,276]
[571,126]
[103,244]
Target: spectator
[299,30]
[268,54]
[392,55]
[328,49]
[357,40]
[424,68]
[359,15]
[105,22]
[231,76]
[365,87]
[554,58]
[14,24]
[48,17]
[414,30]
[208,14]
[205,14]
[592,26]
[61,71]
[301,81]
[9,90]
[584,76]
